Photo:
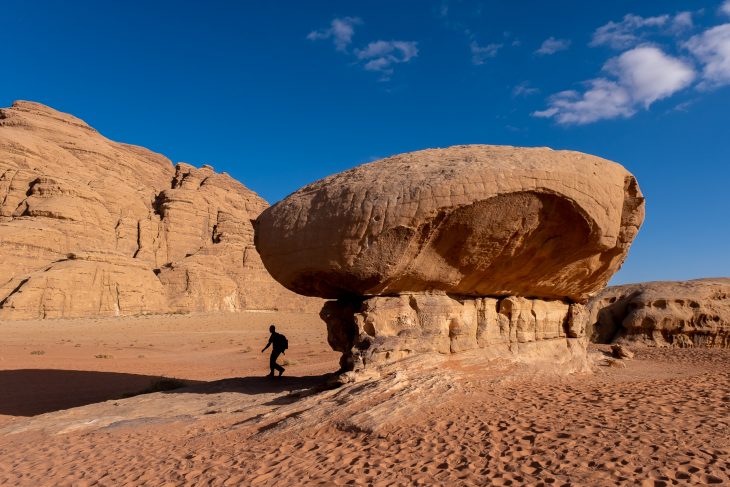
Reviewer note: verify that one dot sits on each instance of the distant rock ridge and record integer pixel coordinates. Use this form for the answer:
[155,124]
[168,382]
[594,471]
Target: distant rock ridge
[694,313]
[445,250]
[93,227]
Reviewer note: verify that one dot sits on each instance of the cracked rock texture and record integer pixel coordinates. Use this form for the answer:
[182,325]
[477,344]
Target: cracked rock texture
[692,313]
[447,250]
[471,220]
[92,227]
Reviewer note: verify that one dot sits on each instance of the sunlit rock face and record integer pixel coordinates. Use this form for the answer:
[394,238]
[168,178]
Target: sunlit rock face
[92,227]
[414,247]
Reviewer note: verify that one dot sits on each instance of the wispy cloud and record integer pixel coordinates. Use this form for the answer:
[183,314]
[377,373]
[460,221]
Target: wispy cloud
[725,7]
[633,29]
[634,80]
[683,20]
[380,56]
[626,33]
[682,107]
[552,45]
[340,31]
[524,89]
[479,54]
[712,49]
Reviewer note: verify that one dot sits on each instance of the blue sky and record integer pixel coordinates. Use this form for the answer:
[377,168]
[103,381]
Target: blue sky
[279,94]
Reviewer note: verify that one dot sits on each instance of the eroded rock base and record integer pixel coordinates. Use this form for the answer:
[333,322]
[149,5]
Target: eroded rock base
[384,329]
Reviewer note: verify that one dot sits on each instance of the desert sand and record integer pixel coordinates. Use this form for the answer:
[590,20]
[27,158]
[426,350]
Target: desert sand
[662,418]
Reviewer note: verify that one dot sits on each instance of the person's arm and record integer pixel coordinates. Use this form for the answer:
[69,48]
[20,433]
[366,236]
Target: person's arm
[267,346]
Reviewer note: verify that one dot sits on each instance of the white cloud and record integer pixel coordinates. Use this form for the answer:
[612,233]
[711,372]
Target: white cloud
[524,89]
[479,54]
[552,45]
[712,49]
[380,56]
[649,74]
[624,34]
[640,77]
[603,99]
[725,7]
[340,31]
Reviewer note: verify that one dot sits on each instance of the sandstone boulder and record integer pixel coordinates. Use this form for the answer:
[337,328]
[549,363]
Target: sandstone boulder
[468,220]
[92,227]
[679,314]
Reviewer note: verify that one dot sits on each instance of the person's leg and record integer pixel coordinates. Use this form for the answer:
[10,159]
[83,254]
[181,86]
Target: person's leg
[274,365]
[272,362]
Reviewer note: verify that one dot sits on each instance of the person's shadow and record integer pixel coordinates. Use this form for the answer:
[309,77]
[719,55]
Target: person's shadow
[29,392]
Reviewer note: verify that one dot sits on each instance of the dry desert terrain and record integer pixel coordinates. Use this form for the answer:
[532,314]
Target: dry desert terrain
[662,418]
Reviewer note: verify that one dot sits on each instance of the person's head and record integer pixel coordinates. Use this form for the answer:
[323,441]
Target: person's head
[272,328]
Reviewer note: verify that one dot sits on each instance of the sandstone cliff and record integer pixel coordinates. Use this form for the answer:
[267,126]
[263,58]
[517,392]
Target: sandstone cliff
[93,227]
[679,314]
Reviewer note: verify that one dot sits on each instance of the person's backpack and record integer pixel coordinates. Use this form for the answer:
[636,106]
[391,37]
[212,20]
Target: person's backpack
[281,342]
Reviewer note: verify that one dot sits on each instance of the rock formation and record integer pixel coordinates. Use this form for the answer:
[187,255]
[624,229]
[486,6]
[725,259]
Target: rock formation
[679,314]
[452,249]
[92,227]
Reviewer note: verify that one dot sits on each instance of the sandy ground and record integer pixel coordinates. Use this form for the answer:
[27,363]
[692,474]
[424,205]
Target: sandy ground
[663,419]
[57,364]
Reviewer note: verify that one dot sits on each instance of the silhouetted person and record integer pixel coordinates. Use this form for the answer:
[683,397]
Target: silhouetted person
[278,344]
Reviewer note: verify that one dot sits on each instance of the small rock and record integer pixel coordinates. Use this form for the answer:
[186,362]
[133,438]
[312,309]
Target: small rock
[621,352]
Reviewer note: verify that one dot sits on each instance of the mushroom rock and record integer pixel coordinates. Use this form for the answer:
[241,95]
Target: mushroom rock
[93,227]
[453,249]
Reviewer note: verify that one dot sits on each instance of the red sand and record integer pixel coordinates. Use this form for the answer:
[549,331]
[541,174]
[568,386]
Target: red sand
[662,420]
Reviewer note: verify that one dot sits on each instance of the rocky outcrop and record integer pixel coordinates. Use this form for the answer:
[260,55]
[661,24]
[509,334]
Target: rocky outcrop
[454,249]
[692,313]
[92,227]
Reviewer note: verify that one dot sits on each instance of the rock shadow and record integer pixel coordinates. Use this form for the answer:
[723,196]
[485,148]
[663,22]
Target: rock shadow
[29,392]
[295,387]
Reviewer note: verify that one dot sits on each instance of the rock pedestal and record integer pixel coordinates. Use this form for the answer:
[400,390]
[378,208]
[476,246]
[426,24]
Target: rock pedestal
[382,329]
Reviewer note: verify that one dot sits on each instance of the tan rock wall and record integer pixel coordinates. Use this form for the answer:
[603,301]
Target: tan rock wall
[679,314]
[92,227]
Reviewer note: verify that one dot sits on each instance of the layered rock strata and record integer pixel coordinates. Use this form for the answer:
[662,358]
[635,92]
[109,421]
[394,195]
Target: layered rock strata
[454,249]
[92,227]
[683,314]
[386,328]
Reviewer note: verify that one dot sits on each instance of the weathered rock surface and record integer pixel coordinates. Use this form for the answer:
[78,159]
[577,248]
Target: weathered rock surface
[92,227]
[679,314]
[386,328]
[469,220]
